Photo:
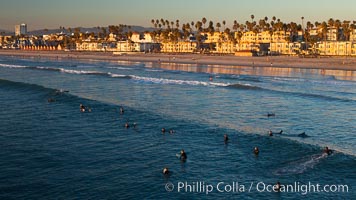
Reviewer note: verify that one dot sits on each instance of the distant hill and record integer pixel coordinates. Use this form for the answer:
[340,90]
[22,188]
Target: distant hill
[83,30]
[2,31]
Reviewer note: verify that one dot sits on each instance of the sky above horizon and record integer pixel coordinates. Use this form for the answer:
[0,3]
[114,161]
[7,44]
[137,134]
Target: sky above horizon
[40,14]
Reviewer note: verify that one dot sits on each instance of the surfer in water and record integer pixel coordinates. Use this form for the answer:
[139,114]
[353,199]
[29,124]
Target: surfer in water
[50,100]
[183,155]
[327,151]
[127,125]
[210,78]
[271,114]
[122,110]
[226,138]
[163,130]
[57,92]
[270,133]
[303,135]
[277,187]
[256,151]
[165,171]
[82,108]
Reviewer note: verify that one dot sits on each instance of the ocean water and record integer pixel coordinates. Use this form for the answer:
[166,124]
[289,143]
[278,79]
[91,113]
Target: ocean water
[51,150]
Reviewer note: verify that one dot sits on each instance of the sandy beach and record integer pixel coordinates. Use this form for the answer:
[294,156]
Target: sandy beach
[337,63]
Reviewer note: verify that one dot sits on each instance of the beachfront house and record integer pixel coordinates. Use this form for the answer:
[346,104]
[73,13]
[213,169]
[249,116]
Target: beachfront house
[214,37]
[111,38]
[142,38]
[225,47]
[125,46]
[89,46]
[285,48]
[138,42]
[6,41]
[336,48]
[353,35]
[332,34]
[219,42]
[178,47]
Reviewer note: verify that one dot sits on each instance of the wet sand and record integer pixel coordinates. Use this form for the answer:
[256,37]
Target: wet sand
[337,63]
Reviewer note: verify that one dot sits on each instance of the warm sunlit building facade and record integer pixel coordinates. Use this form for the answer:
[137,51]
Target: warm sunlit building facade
[179,47]
[215,37]
[142,37]
[353,36]
[285,48]
[225,47]
[280,36]
[20,29]
[336,48]
[89,46]
[332,34]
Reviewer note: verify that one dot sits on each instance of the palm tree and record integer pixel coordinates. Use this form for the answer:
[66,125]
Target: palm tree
[352,28]
[211,27]
[218,25]
[235,26]
[317,24]
[162,21]
[224,23]
[337,25]
[250,26]
[262,24]
[274,18]
[186,30]
[252,17]
[203,21]
[172,24]
[198,26]
[331,22]
[324,31]
[346,30]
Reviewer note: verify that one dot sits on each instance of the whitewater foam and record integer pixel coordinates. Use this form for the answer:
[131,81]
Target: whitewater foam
[300,166]
[12,66]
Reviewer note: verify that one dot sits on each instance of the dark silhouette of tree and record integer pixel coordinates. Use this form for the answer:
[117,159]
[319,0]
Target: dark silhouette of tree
[203,21]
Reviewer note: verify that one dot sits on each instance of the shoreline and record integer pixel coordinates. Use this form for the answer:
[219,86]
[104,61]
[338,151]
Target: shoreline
[327,63]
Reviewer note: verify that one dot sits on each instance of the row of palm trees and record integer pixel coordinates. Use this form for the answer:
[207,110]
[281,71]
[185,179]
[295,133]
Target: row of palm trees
[169,30]
[174,31]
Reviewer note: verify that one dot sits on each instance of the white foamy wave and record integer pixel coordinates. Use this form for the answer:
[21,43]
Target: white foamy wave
[154,70]
[123,68]
[70,71]
[116,75]
[177,82]
[168,81]
[12,66]
[220,84]
[287,79]
[300,166]
[44,68]
[331,80]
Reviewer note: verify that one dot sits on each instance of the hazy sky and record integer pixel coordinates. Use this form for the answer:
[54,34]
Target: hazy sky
[91,13]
